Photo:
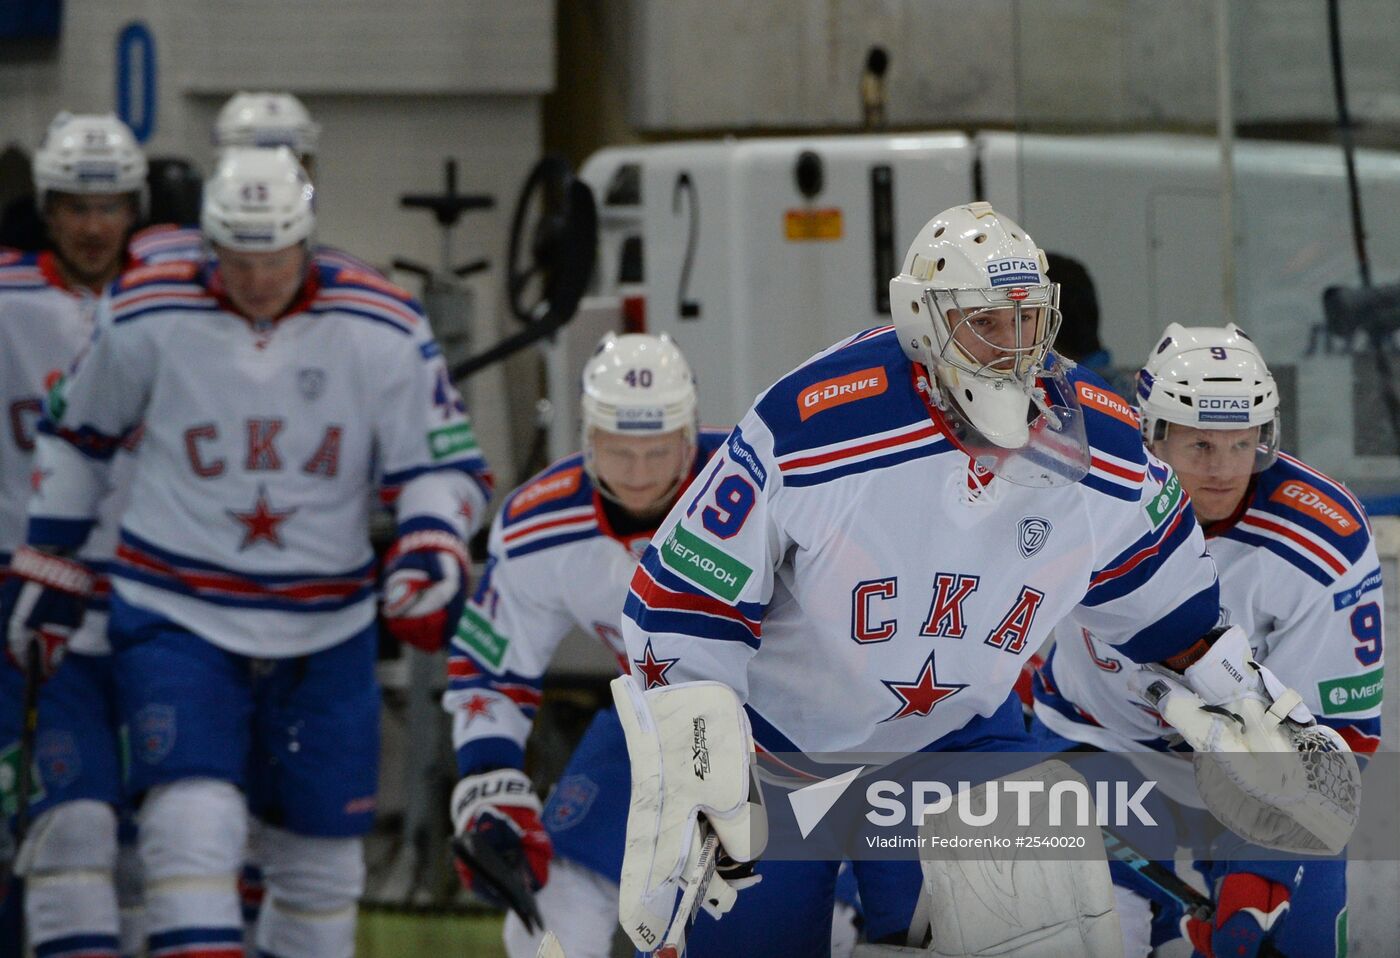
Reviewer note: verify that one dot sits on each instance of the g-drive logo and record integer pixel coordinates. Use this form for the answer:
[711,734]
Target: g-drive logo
[1070,802]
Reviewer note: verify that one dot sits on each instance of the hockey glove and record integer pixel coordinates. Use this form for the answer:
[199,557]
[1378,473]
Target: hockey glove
[42,601]
[425,587]
[503,850]
[1250,908]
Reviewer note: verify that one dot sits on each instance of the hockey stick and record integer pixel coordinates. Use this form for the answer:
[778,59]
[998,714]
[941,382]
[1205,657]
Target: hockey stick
[1171,884]
[33,678]
[550,947]
[673,945]
[503,878]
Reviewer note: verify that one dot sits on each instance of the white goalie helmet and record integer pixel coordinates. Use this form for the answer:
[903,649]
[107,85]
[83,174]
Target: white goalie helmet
[89,153]
[267,119]
[638,385]
[965,261]
[258,200]
[1209,377]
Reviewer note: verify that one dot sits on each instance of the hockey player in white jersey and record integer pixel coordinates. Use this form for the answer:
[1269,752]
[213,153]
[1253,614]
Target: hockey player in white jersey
[894,527]
[90,185]
[563,548]
[1298,573]
[276,397]
[262,119]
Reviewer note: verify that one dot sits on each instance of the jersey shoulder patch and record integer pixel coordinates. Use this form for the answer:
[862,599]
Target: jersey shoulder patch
[562,486]
[20,270]
[858,388]
[1308,510]
[1118,460]
[553,509]
[177,272]
[368,296]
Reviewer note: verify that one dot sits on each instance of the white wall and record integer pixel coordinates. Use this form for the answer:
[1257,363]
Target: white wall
[955,62]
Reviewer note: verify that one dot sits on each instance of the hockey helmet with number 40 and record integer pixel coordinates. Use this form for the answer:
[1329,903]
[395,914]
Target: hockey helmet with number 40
[638,385]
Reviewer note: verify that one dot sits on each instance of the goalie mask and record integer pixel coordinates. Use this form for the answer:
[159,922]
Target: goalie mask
[973,305]
[259,200]
[88,153]
[1209,378]
[267,119]
[638,386]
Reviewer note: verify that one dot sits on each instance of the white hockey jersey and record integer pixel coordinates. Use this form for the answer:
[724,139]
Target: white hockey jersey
[248,520]
[44,325]
[1299,573]
[168,243]
[844,568]
[556,562]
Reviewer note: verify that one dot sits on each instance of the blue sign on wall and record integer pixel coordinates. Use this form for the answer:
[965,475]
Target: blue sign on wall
[136,79]
[30,19]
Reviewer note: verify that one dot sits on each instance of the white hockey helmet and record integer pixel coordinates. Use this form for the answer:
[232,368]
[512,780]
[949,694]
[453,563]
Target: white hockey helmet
[1209,377]
[89,153]
[267,119]
[638,385]
[965,261]
[258,200]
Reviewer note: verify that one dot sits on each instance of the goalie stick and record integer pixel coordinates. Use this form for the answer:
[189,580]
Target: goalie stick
[1170,884]
[504,878]
[703,871]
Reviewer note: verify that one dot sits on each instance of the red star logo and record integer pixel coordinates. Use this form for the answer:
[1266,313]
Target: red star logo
[36,479]
[920,696]
[653,670]
[478,705]
[260,524]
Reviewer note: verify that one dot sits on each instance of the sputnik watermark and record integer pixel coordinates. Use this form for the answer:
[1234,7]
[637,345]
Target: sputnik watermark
[1108,803]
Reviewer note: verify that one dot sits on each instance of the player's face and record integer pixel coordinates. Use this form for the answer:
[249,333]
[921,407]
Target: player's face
[262,285]
[1214,466]
[639,470]
[89,235]
[988,336]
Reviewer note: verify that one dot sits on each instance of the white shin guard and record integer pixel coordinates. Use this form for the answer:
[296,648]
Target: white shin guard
[313,889]
[192,836]
[68,861]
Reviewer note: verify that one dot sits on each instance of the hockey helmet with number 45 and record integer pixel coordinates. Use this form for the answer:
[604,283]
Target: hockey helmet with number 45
[259,200]
[1209,377]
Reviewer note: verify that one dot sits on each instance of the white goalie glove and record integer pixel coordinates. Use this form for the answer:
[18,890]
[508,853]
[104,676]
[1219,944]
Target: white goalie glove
[693,803]
[1263,765]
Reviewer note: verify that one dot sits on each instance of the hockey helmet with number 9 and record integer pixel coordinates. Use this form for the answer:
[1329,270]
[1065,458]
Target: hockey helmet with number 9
[1209,377]
[89,153]
[267,119]
[638,385]
[259,200]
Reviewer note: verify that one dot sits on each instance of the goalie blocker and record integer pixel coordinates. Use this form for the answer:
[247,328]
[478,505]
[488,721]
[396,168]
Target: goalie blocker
[691,753]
